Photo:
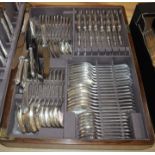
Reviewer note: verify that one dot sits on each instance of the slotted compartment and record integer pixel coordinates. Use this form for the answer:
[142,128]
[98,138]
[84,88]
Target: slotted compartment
[96,43]
[121,107]
[98,56]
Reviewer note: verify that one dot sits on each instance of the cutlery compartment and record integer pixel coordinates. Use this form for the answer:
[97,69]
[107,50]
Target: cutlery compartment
[100,92]
[48,93]
[110,90]
[99,31]
[59,29]
[118,114]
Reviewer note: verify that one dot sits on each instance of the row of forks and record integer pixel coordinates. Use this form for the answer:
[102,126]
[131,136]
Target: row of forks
[53,31]
[97,29]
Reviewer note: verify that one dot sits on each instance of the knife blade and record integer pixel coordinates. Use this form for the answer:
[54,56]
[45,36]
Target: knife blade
[4,24]
[2,59]
[31,40]
[8,21]
[4,51]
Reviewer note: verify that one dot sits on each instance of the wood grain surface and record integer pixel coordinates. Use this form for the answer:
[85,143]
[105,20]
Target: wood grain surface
[129,7]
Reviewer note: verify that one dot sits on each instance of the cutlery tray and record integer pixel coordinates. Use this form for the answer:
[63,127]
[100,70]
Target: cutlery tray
[105,52]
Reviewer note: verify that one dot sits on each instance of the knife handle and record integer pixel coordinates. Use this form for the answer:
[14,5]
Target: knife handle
[32,62]
[2,60]
[32,28]
[46,59]
[4,51]
[25,22]
[36,56]
[17,5]
[19,71]
[25,72]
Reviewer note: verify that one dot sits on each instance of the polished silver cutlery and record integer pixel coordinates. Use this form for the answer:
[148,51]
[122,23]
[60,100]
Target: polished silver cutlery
[41,105]
[97,29]
[105,91]
[54,31]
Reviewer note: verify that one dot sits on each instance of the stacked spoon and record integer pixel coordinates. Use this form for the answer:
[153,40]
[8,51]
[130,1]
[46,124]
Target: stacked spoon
[106,91]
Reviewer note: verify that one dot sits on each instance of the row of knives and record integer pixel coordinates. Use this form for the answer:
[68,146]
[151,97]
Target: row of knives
[27,59]
[8,29]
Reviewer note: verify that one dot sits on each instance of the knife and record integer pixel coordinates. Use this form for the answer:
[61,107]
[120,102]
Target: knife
[4,24]
[2,59]
[17,4]
[8,21]
[21,45]
[4,51]
[31,41]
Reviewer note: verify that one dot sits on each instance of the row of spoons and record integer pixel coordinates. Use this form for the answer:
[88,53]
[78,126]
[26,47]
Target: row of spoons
[106,93]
